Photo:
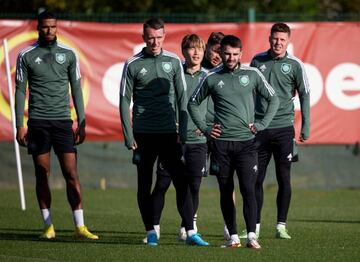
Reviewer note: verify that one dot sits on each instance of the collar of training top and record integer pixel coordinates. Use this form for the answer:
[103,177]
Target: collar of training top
[146,54]
[44,43]
[277,58]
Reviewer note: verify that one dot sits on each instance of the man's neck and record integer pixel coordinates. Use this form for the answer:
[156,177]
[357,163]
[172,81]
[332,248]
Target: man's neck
[43,42]
[276,56]
[151,53]
[233,69]
[192,69]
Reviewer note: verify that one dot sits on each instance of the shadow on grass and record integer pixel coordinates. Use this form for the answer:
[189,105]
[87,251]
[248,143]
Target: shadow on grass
[108,237]
[326,221]
[66,236]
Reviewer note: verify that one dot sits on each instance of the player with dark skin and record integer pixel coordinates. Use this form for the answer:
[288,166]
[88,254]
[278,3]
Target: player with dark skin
[38,144]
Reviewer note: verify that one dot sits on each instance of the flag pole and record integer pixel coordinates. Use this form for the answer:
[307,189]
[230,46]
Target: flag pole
[16,145]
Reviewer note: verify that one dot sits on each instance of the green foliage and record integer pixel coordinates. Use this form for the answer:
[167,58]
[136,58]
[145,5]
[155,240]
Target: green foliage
[179,6]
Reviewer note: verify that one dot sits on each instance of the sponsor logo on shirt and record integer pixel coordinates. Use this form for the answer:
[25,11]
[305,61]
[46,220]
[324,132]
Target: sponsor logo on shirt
[244,80]
[285,68]
[143,71]
[289,157]
[167,67]
[262,68]
[220,84]
[60,58]
[38,60]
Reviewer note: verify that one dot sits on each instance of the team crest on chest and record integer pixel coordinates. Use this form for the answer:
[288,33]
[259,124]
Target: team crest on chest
[60,58]
[244,80]
[167,67]
[285,68]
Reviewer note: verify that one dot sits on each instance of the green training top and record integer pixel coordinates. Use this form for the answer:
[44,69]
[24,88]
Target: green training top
[192,81]
[210,104]
[152,82]
[233,96]
[48,68]
[287,76]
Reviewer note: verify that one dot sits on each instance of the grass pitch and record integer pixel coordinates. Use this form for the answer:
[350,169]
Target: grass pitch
[324,225]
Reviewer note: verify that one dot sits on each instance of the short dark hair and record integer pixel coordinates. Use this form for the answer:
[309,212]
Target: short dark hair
[154,23]
[280,27]
[215,38]
[45,15]
[232,41]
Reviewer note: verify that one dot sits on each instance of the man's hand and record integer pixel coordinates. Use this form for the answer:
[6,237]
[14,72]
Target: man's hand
[215,131]
[80,135]
[21,136]
[302,139]
[253,128]
[198,132]
[134,146]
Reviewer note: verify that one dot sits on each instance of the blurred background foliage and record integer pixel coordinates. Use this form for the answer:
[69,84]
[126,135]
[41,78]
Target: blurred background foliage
[187,11]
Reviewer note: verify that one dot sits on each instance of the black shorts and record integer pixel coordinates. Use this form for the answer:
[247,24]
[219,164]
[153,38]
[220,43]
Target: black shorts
[161,171]
[277,141]
[44,134]
[194,157]
[227,156]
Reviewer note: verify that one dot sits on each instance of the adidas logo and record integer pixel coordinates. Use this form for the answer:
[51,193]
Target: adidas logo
[143,71]
[38,60]
[255,168]
[262,68]
[220,84]
[289,157]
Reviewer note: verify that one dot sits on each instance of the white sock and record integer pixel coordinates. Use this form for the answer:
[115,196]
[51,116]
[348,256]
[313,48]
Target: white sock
[280,225]
[251,235]
[46,215]
[190,232]
[235,238]
[78,216]
[226,230]
[257,228]
[182,230]
[195,226]
[157,230]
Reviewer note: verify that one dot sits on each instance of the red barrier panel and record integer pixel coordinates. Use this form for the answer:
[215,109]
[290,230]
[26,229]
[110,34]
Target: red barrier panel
[329,50]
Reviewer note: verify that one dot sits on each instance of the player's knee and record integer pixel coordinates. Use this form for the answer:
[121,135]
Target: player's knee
[162,188]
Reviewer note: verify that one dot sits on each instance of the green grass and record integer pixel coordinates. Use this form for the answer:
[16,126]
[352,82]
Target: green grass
[325,226]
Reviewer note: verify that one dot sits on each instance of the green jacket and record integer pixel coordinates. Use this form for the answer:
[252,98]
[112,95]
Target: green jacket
[233,96]
[210,104]
[48,68]
[287,76]
[152,82]
[192,81]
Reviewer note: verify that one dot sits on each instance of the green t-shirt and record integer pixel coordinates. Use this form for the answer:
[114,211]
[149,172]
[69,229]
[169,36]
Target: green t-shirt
[210,104]
[233,96]
[48,68]
[287,76]
[152,83]
[192,81]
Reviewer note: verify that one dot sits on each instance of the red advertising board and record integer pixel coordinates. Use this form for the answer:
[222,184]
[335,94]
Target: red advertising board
[330,52]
